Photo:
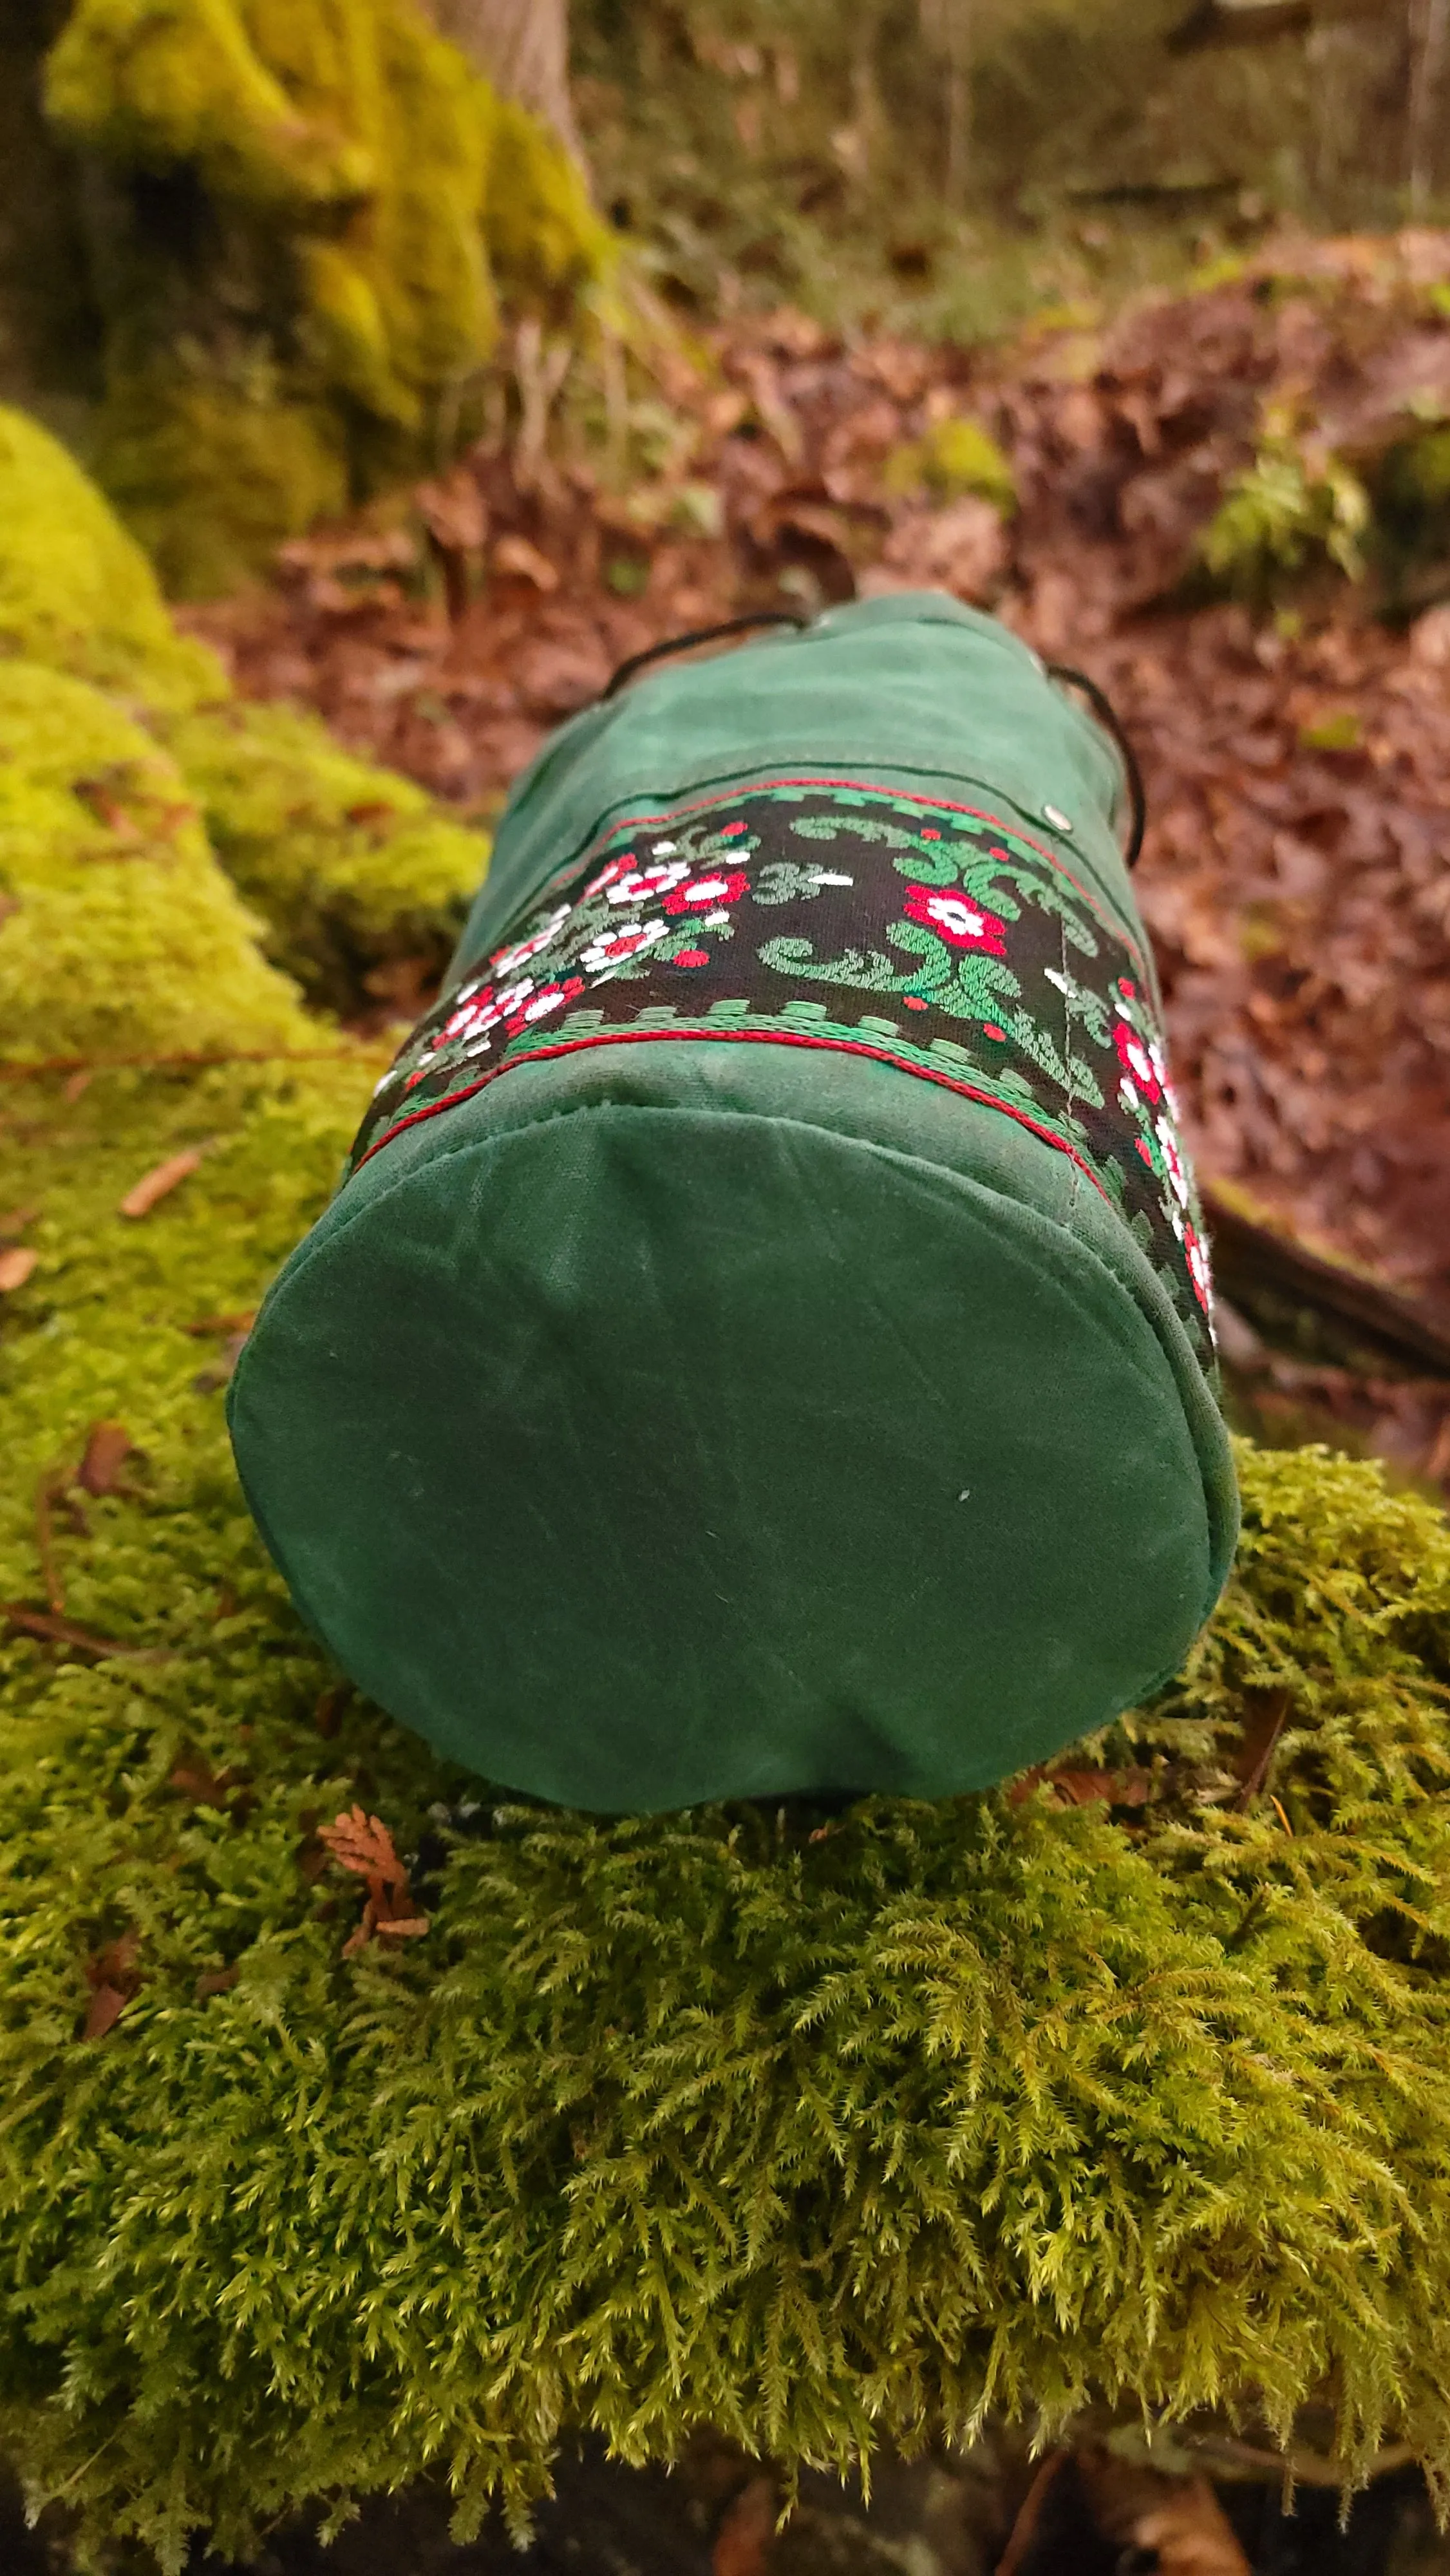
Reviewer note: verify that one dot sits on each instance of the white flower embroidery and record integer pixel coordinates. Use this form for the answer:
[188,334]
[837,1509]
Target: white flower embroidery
[614,948]
[1173,1160]
[508,960]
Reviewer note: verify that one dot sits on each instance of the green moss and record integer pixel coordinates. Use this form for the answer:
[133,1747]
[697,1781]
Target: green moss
[1287,514]
[349,864]
[543,233]
[343,180]
[823,2140]
[211,475]
[76,591]
[154,83]
[954,458]
[119,934]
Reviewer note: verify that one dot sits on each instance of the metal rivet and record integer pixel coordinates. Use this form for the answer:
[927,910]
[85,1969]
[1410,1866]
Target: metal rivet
[1054,815]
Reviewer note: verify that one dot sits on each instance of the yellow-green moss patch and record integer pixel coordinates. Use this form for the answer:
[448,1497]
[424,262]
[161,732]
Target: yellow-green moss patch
[821,2138]
[349,864]
[119,934]
[953,458]
[352,181]
[76,591]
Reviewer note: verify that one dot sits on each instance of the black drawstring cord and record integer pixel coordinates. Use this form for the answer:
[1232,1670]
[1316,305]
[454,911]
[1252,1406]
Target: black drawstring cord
[1097,698]
[1107,714]
[700,635]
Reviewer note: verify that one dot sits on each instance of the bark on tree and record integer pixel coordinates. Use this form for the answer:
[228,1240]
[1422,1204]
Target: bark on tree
[523,46]
[1429,44]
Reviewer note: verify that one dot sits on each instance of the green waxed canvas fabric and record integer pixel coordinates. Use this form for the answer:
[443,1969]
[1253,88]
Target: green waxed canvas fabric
[762,1342]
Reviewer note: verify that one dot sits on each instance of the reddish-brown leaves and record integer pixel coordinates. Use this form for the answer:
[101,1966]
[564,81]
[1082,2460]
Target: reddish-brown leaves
[363,1845]
[1085,1788]
[113,1978]
[1087,2508]
[158,1184]
[108,1446]
[327,1714]
[743,2541]
[16,1265]
[1268,1713]
[196,1780]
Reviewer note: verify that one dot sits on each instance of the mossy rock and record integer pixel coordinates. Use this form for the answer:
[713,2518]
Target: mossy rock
[821,2134]
[119,933]
[305,210]
[349,864]
[76,592]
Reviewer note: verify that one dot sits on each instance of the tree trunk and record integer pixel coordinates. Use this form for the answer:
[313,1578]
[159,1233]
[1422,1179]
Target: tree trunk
[523,46]
[1429,37]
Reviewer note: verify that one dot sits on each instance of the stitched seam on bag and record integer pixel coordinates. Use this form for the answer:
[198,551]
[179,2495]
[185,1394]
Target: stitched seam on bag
[754,1037]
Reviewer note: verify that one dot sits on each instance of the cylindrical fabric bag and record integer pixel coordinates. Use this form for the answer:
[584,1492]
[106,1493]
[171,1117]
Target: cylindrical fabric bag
[762,1342]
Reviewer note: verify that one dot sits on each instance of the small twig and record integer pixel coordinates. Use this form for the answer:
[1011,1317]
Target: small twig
[54,1631]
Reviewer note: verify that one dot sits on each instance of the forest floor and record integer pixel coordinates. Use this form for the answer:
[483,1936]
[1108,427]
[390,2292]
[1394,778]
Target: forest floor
[1297,758]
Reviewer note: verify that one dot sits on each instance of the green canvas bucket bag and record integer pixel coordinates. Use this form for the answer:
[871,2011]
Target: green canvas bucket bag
[762,1342]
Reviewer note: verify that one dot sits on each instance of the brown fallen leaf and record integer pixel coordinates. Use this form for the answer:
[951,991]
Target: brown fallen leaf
[747,2530]
[1087,2510]
[216,1981]
[157,1184]
[1086,1788]
[1263,1727]
[108,1446]
[203,1786]
[16,1266]
[327,1715]
[528,562]
[363,1845]
[106,2007]
[114,1979]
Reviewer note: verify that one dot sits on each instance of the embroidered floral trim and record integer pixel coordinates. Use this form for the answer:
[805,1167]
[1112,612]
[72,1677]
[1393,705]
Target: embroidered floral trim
[930,937]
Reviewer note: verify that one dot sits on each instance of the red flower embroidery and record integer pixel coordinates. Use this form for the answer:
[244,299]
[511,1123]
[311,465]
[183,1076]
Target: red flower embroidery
[702,894]
[638,884]
[956,919]
[468,1015]
[1199,1272]
[691,957]
[549,997]
[1137,1060]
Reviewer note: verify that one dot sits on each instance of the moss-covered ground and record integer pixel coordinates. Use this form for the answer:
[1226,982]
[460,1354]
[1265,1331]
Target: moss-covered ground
[154,827]
[815,2130]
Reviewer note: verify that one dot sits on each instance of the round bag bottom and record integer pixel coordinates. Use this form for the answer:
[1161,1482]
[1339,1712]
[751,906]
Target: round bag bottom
[767,1423]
